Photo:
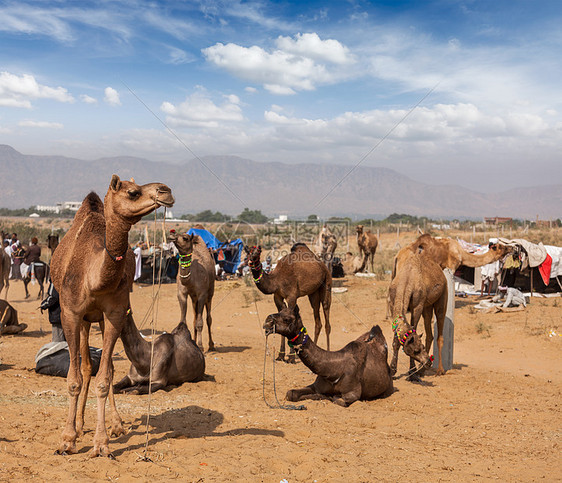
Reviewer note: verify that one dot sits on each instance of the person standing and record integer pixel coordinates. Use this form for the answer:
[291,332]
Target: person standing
[51,304]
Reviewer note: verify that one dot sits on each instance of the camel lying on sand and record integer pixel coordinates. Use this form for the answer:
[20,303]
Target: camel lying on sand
[196,279]
[358,371]
[297,274]
[176,359]
[9,320]
[421,288]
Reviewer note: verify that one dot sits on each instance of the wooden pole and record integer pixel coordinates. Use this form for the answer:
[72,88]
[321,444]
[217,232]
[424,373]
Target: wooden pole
[448,327]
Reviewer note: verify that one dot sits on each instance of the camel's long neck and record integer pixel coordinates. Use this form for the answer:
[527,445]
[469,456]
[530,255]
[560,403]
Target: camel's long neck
[321,362]
[265,282]
[471,260]
[116,245]
[136,348]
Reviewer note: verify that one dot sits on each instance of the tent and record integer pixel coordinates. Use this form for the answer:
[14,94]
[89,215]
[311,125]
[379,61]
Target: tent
[232,249]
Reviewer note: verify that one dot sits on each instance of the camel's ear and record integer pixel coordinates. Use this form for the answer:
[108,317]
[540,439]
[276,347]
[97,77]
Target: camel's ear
[296,311]
[133,180]
[115,183]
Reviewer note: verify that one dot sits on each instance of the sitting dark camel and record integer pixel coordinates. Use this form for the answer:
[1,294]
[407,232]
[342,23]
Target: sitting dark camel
[358,371]
[9,320]
[297,274]
[196,279]
[176,359]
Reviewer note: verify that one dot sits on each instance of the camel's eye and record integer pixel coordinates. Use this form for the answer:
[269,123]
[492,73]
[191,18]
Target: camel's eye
[134,194]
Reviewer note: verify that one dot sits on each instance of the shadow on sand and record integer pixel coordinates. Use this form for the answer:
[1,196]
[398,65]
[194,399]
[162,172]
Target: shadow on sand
[189,422]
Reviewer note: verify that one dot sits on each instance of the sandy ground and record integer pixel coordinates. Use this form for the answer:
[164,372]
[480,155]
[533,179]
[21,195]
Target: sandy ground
[495,416]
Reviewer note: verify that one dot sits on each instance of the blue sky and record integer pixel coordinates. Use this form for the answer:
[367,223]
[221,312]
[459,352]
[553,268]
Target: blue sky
[319,82]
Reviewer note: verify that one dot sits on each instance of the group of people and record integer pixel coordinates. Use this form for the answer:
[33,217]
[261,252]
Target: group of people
[22,259]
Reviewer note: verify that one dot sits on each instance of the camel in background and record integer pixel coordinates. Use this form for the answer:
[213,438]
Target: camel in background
[9,324]
[196,279]
[93,269]
[328,244]
[448,253]
[419,287]
[297,274]
[367,243]
[5,267]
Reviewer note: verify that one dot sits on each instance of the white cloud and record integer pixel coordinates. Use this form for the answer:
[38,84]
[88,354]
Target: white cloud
[19,91]
[198,110]
[40,124]
[111,96]
[250,89]
[298,64]
[311,46]
[179,56]
[88,99]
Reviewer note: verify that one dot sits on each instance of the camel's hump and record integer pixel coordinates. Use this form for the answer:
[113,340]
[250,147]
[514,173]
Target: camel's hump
[93,202]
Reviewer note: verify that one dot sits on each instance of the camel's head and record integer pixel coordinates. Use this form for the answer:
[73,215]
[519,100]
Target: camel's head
[410,341]
[183,242]
[359,229]
[254,255]
[500,250]
[133,201]
[287,323]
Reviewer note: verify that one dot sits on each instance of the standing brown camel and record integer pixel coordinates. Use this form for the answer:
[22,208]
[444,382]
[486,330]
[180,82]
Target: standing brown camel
[297,274]
[93,269]
[358,371]
[5,266]
[329,245]
[176,359]
[421,288]
[196,279]
[448,253]
[367,243]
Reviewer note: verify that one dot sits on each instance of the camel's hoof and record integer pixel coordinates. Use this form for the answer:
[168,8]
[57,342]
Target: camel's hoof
[101,452]
[291,396]
[291,359]
[340,402]
[440,372]
[117,431]
[212,348]
[280,357]
[66,449]
[413,378]
[27,296]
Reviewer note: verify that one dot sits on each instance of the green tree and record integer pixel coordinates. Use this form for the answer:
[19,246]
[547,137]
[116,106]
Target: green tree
[252,216]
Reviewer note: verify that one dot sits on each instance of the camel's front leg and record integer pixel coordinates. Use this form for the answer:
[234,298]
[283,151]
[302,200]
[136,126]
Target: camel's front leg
[71,324]
[348,397]
[209,323]
[86,371]
[279,303]
[104,381]
[198,322]
[395,350]
[182,299]
[295,395]
[326,303]
[413,375]
[116,421]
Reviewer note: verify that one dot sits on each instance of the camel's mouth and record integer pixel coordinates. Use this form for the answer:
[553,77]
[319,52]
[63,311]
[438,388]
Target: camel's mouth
[269,326]
[167,204]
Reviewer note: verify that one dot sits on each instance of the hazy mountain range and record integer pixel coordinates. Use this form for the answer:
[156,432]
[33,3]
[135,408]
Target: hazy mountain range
[229,184]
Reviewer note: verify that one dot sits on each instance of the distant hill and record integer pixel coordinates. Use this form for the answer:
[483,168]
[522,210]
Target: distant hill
[229,184]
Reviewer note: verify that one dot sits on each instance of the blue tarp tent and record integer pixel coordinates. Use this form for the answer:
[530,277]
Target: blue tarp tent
[232,250]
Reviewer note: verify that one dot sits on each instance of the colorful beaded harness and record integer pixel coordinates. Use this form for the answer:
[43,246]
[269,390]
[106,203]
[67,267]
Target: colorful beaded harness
[185,262]
[401,338]
[258,267]
[298,347]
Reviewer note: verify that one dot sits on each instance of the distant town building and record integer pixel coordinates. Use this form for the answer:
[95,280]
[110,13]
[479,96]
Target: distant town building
[497,220]
[280,219]
[61,206]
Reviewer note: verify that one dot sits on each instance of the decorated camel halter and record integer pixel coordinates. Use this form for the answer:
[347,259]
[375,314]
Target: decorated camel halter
[402,338]
[298,347]
[185,263]
[257,267]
